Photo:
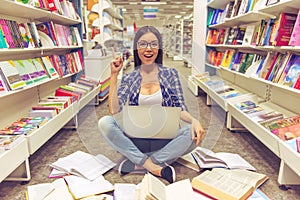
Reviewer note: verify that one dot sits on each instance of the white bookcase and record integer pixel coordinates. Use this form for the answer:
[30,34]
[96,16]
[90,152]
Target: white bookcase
[15,104]
[268,95]
[110,22]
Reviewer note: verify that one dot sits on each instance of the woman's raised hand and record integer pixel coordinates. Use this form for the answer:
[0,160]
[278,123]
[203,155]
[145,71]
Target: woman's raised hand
[116,65]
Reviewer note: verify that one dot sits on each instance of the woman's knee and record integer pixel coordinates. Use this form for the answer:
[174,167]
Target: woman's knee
[105,124]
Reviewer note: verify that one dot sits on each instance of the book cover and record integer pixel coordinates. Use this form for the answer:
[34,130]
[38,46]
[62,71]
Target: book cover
[62,92]
[229,8]
[7,33]
[297,84]
[45,27]
[15,36]
[284,30]
[292,75]
[227,58]
[56,62]
[42,74]
[26,35]
[3,86]
[281,67]
[48,66]
[294,58]
[268,62]
[246,63]
[24,74]
[295,37]
[35,34]
[28,65]
[288,132]
[3,43]
[273,68]
[249,34]
[11,75]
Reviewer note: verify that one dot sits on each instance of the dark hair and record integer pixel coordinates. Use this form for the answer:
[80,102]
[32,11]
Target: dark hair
[141,31]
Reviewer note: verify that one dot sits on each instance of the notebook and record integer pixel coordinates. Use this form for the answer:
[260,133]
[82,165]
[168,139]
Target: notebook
[153,121]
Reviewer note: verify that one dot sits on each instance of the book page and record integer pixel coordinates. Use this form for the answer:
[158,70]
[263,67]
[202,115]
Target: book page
[243,176]
[156,187]
[39,191]
[84,164]
[220,186]
[81,187]
[125,191]
[235,161]
[175,190]
[188,161]
[61,191]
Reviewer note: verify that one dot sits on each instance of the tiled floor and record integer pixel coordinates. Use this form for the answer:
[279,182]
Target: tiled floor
[218,138]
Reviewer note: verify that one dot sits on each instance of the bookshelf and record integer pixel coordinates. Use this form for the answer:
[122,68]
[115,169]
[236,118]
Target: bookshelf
[110,23]
[178,40]
[169,39]
[15,104]
[270,96]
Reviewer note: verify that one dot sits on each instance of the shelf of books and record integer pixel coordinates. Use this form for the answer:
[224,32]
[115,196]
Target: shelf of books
[40,57]
[254,47]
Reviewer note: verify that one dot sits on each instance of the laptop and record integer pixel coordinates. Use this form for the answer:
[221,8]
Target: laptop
[153,121]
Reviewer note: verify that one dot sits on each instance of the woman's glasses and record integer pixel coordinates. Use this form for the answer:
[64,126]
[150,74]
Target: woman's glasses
[144,44]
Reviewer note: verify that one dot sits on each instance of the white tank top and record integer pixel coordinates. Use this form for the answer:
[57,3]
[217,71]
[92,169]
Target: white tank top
[155,98]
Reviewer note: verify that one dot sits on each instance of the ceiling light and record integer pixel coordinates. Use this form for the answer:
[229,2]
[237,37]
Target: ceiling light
[189,6]
[124,9]
[133,3]
[177,16]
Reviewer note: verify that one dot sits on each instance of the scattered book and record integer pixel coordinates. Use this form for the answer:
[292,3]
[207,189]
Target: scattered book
[84,164]
[152,188]
[81,187]
[188,161]
[220,183]
[58,189]
[206,158]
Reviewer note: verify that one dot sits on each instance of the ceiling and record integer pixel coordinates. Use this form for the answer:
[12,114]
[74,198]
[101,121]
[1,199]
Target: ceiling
[134,11]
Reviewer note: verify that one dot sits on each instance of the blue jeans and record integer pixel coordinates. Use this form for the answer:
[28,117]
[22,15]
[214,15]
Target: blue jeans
[115,137]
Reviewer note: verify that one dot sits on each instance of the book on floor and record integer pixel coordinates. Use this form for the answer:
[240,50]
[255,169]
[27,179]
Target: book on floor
[206,158]
[58,189]
[188,161]
[152,188]
[84,164]
[235,184]
[81,187]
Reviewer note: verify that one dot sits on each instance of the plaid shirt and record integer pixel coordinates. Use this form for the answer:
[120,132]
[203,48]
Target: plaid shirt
[169,83]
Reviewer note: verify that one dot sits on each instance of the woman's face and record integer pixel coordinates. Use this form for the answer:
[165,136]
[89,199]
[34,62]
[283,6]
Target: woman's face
[147,47]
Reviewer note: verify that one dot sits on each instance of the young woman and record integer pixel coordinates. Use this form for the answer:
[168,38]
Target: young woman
[149,83]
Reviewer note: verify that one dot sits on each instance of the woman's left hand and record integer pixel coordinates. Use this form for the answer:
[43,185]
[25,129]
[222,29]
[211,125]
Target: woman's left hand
[197,131]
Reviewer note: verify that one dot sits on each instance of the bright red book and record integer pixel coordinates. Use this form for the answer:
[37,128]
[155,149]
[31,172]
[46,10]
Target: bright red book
[283,33]
[62,92]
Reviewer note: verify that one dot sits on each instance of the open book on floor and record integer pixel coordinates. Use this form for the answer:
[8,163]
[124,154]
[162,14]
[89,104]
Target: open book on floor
[84,164]
[151,188]
[229,184]
[206,158]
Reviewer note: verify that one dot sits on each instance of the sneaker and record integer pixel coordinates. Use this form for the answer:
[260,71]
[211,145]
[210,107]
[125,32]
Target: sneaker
[126,166]
[168,173]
